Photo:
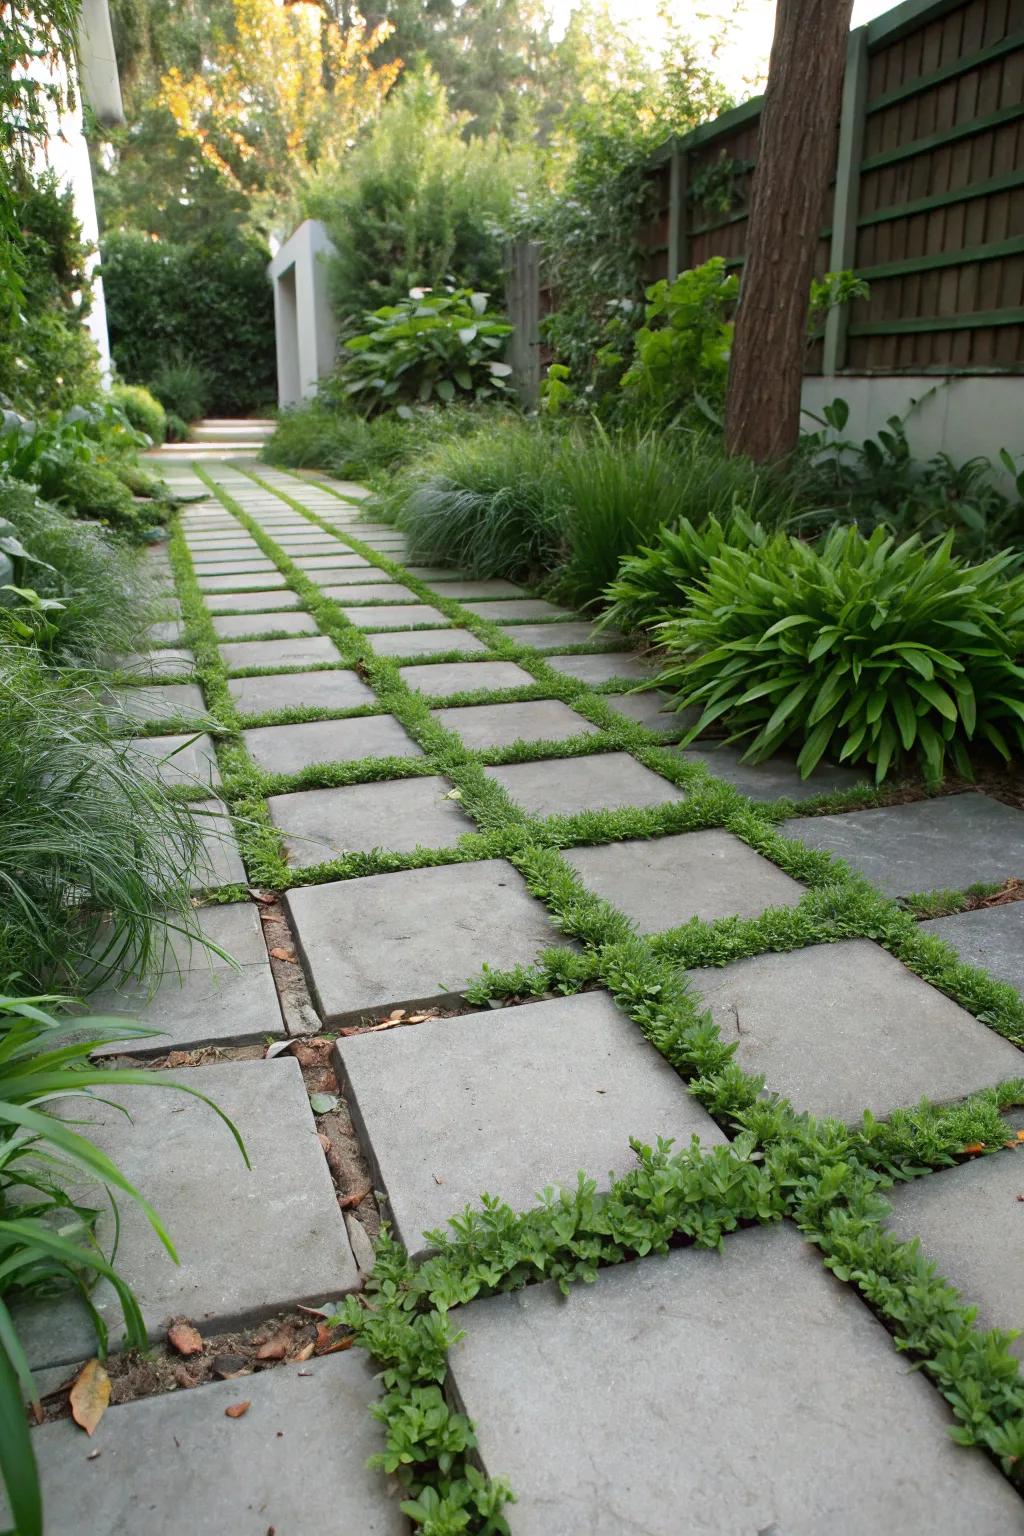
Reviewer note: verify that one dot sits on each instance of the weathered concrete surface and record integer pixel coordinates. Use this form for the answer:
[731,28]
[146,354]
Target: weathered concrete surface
[566,786]
[290,748]
[164,701]
[252,602]
[840,1028]
[498,725]
[517,608]
[188,760]
[258,582]
[220,862]
[473,588]
[721,1394]
[991,938]
[555,637]
[602,667]
[933,845]
[651,709]
[774,778]
[339,690]
[664,881]
[439,679]
[300,652]
[506,1102]
[374,944]
[388,615]
[295,1463]
[232,626]
[424,642]
[397,814]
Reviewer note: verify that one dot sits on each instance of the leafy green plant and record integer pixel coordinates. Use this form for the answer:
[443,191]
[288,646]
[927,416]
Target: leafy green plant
[96,859]
[716,186]
[830,292]
[652,586]
[182,384]
[430,346]
[47,1228]
[682,350]
[142,409]
[865,650]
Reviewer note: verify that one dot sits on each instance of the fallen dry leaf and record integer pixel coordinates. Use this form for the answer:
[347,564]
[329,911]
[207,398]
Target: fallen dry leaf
[185,1339]
[397,1013]
[305,1352]
[328,1344]
[277,1347]
[277,953]
[227,1366]
[265,898]
[235,1410]
[90,1395]
[315,1311]
[1020,1135]
[973,1147]
[349,1202]
[325,1141]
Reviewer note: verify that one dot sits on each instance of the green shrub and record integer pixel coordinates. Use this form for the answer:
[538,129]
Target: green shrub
[142,409]
[90,490]
[429,347]
[183,386]
[95,858]
[48,1170]
[177,428]
[210,295]
[682,349]
[652,586]
[318,435]
[864,650]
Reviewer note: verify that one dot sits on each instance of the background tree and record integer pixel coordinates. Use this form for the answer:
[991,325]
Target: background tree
[795,159]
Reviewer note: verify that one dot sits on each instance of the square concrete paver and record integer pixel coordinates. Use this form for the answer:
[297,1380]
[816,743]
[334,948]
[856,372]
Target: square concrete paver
[666,881]
[219,862]
[290,748]
[566,786]
[230,626]
[425,642]
[188,760]
[388,615]
[167,701]
[439,680]
[170,661]
[217,1476]
[339,689]
[933,845]
[480,726]
[342,583]
[518,608]
[323,564]
[507,1102]
[252,602]
[555,637]
[840,1028]
[971,1223]
[259,581]
[479,589]
[773,778]
[251,1241]
[602,668]
[397,814]
[300,652]
[372,592]
[652,710]
[417,936]
[218,565]
[736,1393]
[201,998]
[991,938]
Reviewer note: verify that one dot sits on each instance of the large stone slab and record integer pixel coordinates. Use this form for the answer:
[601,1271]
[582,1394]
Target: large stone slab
[250,1240]
[480,726]
[991,938]
[500,612]
[390,615]
[933,845]
[464,589]
[602,667]
[773,778]
[166,701]
[566,786]
[440,679]
[179,760]
[840,1028]
[219,862]
[339,689]
[969,1220]
[200,998]
[342,583]
[257,582]
[507,1102]
[417,936]
[232,626]
[652,710]
[290,748]
[425,642]
[397,814]
[325,564]
[300,652]
[383,591]
[178,1463]
[218,565]
[735,1393]
[252,602]
[555,637]
[665,881]
[169,661]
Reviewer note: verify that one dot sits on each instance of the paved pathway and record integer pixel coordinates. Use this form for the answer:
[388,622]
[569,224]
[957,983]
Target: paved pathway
[736,1392]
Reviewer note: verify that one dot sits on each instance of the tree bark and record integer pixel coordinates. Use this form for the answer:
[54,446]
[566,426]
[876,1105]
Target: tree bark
[796,157]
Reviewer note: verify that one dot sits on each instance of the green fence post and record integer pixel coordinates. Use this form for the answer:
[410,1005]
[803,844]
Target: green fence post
[843,253]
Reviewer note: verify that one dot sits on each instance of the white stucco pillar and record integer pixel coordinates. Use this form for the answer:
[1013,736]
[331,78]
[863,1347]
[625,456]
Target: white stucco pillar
[304,325]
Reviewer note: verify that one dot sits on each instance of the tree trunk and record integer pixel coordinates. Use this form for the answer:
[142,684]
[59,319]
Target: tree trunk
[796,156]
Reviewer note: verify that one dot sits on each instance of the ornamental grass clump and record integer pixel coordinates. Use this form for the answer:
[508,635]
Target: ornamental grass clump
[863,650]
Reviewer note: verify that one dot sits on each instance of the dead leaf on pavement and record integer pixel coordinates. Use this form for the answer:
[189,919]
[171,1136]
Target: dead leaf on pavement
[305,1352]
[349,1202]
[90,1395]
[265,898]
[277,1347]
[974,1147]
[235,1410]
[277,953]
[328,1344]
[185,1339]
[276,1048]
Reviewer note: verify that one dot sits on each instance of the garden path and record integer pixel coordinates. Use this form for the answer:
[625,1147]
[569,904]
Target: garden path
[430,774]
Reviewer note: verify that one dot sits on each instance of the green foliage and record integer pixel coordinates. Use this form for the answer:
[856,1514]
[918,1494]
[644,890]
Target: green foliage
[207,302]
[652,586]
[429,347]
[416,203]
[682,349]
[715,188]
[863,651]
[95,857]
[880,482]
[177,428]
[143,410]
[47,1233]
[828,293]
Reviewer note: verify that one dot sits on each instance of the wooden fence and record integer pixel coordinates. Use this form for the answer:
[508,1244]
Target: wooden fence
[927,202]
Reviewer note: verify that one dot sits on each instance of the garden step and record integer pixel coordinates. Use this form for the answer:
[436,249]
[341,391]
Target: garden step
[480,726]
[440,680]
[508,1102]
[398,815]
[969,1221]
[239,654]
[991,938]
[603,668]
[741,1391]
[775,777]
[840,1028]
[422,642]
[567,787]
[334,689]
[294,1462]
[290,748]
[933,845]
[416,936]
[251,1241]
